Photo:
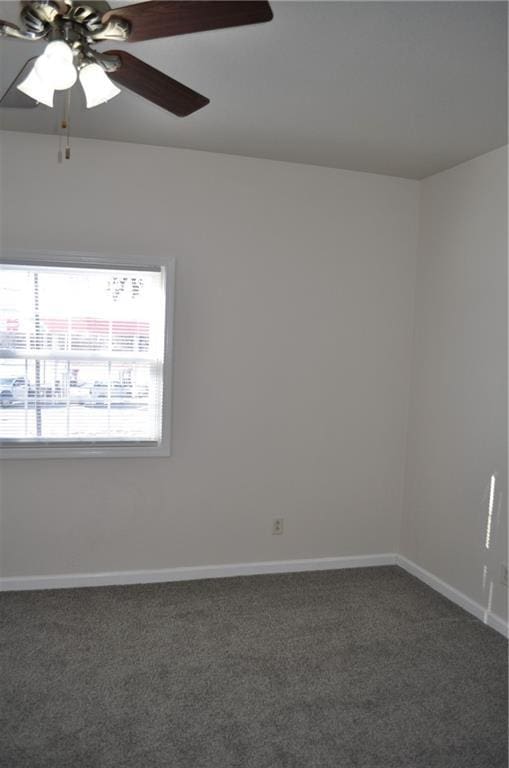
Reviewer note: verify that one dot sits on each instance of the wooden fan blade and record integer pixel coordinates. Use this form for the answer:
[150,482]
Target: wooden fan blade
[155,85]
[166,19]
[14,99]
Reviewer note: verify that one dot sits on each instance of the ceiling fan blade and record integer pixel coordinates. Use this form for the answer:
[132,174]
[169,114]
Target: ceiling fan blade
[14,99]
[167,18]
[155,85]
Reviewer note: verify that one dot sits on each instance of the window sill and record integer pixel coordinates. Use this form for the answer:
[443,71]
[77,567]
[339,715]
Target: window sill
[140,450]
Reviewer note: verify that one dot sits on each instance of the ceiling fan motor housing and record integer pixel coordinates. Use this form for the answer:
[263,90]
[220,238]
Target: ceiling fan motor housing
[49,18]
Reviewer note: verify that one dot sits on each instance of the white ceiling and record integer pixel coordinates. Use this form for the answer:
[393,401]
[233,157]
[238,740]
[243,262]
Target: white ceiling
[399,88]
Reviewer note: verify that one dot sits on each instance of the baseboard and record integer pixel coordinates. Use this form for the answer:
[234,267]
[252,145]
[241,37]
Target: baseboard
[465,602]
[188,573]
[112,578]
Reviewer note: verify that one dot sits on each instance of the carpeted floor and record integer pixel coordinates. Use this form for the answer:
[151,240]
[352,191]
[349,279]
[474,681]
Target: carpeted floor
[334,669]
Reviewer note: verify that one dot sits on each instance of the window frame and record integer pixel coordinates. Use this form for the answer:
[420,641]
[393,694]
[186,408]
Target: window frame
[104,449]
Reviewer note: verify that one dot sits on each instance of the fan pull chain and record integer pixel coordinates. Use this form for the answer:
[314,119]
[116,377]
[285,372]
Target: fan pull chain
[66,124]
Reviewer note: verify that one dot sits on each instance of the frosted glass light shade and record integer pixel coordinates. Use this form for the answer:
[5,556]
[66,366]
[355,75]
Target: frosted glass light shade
[97,85]
[58,50]
[37,88]
[55,66]
[52,71]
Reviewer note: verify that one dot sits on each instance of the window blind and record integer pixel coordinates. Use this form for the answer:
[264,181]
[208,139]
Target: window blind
[81,354]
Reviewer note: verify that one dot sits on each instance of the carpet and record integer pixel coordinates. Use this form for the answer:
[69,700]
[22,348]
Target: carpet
[364,668]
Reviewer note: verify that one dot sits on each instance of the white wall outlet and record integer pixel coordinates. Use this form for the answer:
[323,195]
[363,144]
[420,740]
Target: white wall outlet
[277,526]
[503,574]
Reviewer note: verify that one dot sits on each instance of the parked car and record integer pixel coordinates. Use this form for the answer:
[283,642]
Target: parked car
[15,390]
[119,394]
[79,394]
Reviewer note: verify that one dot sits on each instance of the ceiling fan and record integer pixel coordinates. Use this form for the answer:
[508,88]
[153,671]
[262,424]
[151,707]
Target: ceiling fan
[72,30]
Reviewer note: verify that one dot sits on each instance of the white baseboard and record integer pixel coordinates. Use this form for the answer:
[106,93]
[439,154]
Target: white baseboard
[111,578]
[188,573]
[476,609]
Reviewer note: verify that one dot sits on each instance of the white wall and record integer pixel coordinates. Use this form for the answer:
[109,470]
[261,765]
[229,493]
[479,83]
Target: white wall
[292,358]
[458,412]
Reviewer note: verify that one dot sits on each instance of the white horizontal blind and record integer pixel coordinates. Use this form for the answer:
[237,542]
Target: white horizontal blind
[81,354]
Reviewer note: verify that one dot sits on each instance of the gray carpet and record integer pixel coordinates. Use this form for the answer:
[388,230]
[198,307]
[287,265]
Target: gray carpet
[339,669]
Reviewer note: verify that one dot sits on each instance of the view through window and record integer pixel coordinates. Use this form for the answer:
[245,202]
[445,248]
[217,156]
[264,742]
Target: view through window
[81,354]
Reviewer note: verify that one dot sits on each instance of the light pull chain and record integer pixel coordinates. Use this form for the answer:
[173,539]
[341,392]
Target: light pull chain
[66,124]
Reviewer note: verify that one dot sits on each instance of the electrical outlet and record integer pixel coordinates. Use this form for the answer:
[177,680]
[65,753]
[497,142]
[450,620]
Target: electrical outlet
[277,526]
[503,574]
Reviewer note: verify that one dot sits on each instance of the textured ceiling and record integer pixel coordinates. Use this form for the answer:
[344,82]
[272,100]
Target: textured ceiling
[400,88]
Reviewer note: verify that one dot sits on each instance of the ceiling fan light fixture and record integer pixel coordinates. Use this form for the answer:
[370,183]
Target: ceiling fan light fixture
[55,67]
[97,85]
[36,88]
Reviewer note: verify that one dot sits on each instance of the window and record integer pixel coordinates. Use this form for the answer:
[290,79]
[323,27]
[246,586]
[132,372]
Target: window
[85,354]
